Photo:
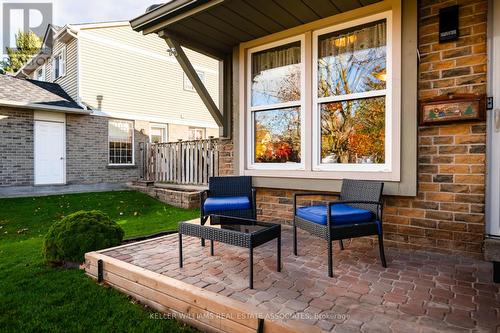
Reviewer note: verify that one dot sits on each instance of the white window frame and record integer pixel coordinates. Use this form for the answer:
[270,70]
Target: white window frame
[310,148]
[164,127]
[188,85]
[250,139]
[62,64]
[390,127]
[203,131]
[41,68]
[133,142]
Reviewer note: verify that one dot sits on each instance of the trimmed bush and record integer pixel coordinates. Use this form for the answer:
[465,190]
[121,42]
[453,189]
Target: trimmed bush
[70,238]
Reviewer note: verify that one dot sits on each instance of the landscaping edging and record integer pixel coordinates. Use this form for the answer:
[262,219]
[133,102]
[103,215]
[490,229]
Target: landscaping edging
[203,309]
[182,196]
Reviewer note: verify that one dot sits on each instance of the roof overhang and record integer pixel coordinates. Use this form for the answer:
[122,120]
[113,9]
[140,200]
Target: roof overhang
[43,107]
[215,27]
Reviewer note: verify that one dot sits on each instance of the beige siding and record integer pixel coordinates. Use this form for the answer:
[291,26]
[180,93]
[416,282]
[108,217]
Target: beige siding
[137,78]
[69,82]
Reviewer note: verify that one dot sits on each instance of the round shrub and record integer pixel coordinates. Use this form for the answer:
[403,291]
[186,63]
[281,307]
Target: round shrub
[70,238]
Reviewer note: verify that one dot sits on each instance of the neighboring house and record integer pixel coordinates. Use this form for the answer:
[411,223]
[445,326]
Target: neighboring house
[127,91]
[109,68]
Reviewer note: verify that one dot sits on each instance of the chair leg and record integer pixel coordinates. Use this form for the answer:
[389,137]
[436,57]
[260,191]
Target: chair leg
[330,258]
[294,239]
[381,249]
[341,243]
[203,220]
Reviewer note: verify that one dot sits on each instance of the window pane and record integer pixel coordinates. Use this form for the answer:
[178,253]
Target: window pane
[157,134]
[353,60]
[353,131]
[120,142]
[277,135]
[276,75]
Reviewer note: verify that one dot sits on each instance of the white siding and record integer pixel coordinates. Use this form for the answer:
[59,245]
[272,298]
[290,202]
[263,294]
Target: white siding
[69,82]
[137,78]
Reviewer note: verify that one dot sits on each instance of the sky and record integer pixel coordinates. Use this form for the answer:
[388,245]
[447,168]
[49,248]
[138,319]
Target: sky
[84,11]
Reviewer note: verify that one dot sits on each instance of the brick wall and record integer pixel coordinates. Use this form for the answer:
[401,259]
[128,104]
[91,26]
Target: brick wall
[16,147]
[87,152]
[226,157]
[448,212]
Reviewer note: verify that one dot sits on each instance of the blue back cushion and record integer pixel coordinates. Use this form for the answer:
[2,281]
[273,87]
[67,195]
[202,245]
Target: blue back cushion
[230,186]
[341,214]
[226,203]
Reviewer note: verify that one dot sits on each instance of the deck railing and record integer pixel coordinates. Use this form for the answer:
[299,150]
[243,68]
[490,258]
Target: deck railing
[183,162]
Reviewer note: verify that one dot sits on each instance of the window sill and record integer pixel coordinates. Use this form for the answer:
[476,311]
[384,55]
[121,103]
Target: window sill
[325,175]
[121,166]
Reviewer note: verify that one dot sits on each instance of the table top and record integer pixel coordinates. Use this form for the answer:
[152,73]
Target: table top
[242,225]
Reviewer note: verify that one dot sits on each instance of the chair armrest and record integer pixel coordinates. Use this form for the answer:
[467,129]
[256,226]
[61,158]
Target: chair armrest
[309,194]
[295,195]
[367,202]
[203,196]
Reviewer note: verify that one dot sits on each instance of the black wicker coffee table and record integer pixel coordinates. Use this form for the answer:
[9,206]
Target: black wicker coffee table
[236,231]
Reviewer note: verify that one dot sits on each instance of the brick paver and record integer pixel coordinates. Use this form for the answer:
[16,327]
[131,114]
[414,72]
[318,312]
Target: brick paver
[418,292]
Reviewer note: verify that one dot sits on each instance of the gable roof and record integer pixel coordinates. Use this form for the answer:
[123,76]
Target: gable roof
[34,94]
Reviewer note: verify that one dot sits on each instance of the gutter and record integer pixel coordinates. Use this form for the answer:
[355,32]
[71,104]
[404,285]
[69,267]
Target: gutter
[43,107]
[163,12]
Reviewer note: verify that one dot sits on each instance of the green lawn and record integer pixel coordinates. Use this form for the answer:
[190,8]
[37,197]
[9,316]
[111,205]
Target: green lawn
[37,298]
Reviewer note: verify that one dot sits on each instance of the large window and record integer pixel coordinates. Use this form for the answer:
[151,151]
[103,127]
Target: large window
[276,105]
[323,104]
[350,103]
[121,142]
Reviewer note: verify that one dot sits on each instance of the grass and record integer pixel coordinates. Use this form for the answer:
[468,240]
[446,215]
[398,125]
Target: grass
[37,298]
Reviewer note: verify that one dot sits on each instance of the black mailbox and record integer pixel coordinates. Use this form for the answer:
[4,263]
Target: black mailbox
[448,24]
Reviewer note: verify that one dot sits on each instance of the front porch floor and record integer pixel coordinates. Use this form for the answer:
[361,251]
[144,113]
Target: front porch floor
[417,292]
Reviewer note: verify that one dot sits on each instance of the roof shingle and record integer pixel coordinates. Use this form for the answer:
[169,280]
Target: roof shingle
[34,92]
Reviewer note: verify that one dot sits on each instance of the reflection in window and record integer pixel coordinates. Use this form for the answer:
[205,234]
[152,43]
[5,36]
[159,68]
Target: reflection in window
[277,135]
[352,60]
[276,75]
[353,131]
[120,137]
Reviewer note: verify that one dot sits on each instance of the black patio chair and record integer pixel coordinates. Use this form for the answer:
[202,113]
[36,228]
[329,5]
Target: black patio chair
[357,213]
[229,196]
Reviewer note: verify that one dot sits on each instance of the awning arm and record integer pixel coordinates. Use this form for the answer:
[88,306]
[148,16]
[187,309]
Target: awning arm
[190,72]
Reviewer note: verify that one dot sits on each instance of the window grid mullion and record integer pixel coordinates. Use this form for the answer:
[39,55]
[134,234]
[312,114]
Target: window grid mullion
[349,97]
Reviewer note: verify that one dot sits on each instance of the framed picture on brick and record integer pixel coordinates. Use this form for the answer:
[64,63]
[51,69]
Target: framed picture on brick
[452,108]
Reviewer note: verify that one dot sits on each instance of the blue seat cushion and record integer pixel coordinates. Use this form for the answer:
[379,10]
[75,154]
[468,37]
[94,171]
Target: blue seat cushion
[226,203]
[341,214]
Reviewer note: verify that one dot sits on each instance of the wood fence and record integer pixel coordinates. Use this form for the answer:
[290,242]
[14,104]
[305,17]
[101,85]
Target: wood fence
[183,162]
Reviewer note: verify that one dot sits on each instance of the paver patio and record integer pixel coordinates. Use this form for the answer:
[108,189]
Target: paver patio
[418,292]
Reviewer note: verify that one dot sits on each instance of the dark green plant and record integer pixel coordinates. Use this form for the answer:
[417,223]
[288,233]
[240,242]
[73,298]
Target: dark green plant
[70,238]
